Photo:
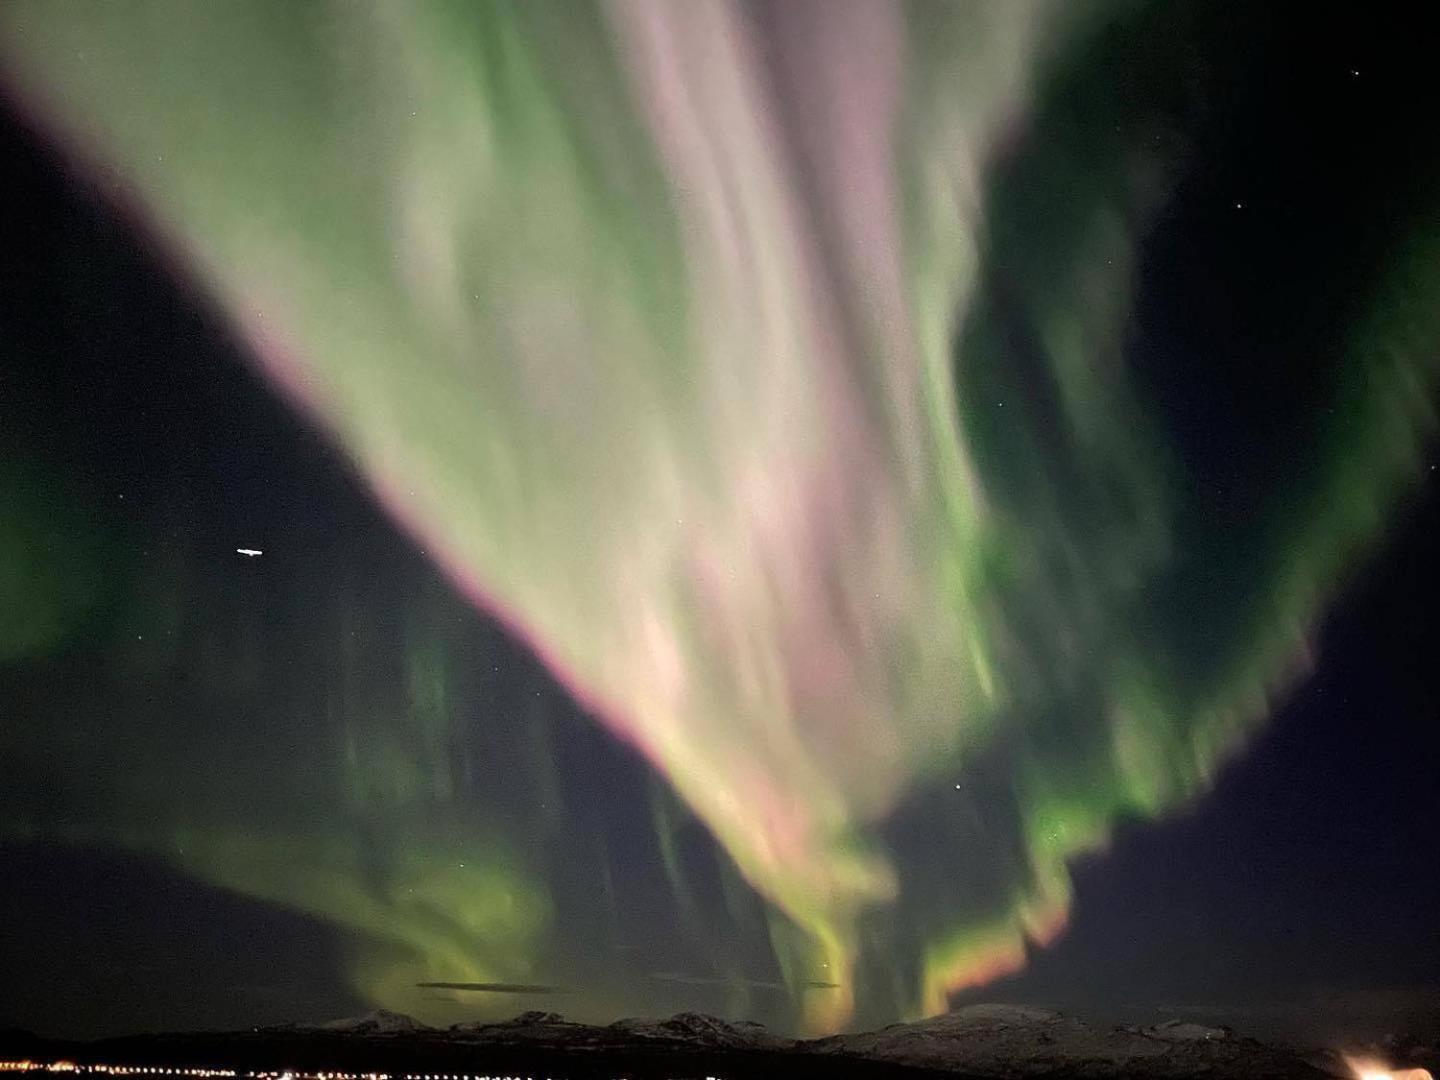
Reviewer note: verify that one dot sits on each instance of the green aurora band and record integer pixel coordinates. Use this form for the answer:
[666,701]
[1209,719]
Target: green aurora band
[683,337]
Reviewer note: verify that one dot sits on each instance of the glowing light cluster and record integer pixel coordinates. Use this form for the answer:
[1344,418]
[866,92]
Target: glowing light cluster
[1370,1069]
[119,1070]
[248,1074]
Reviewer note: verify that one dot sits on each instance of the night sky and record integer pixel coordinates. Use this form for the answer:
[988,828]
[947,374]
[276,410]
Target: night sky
[810,511]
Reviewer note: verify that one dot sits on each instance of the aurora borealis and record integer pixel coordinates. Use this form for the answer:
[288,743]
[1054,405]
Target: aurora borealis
[797,382]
